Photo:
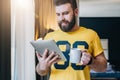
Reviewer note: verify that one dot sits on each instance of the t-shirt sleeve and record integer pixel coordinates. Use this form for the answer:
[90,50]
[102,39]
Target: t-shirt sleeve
[97,46]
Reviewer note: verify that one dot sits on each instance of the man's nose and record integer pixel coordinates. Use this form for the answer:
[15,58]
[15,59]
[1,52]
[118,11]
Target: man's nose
[62,17]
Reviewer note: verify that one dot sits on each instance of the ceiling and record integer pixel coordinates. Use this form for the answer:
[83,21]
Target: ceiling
[99,8]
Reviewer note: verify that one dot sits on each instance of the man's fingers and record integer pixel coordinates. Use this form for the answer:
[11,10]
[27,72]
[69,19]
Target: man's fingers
[50,59]
[84,50]
[85,58]
[38,56]
[51,56]
[54,59]
[45,54]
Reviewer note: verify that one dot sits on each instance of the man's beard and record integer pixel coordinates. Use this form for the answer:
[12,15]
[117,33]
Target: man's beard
[69,26]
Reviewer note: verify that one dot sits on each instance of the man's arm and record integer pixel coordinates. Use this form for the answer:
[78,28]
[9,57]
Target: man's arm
[99,63]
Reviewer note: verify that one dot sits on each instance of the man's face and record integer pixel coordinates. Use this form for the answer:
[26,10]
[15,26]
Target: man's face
[65,17]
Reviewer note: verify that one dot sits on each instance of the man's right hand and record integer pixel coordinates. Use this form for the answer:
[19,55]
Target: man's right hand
[45,61]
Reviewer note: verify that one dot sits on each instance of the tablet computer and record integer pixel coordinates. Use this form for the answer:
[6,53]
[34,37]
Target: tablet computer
[40,46]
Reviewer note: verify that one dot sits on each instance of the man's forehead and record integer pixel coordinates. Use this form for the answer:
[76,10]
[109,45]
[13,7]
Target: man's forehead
[63,7]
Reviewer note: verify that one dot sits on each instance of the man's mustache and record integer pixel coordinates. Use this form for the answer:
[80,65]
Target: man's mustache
[64,21]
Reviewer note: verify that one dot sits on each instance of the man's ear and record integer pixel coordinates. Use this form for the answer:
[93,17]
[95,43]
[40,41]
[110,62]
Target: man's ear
[76,12]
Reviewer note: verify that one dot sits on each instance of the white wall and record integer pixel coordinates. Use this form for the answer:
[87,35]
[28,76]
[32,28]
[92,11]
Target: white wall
[99,8]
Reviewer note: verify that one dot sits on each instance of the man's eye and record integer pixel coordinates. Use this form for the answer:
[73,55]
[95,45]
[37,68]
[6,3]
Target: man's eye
[57,14]
[66,13]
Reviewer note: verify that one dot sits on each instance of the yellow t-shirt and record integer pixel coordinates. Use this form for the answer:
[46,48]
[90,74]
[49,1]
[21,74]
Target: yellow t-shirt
[82,38]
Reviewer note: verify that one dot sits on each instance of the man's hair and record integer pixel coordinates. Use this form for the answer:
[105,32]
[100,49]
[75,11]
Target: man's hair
[60,2]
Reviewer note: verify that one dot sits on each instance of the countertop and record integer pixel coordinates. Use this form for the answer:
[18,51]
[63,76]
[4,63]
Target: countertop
[110,73]
[106,75]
